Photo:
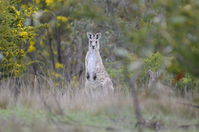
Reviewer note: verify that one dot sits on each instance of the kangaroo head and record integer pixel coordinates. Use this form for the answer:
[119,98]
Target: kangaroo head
[93,41]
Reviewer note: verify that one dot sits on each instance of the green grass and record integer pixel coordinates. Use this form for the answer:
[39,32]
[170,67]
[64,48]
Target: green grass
[106,119]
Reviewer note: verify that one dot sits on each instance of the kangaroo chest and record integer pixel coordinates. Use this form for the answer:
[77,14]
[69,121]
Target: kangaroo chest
[92,61]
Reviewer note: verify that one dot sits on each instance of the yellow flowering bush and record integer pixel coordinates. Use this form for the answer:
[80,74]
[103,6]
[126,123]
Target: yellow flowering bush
[49,2]
[23,34]
[31,47]
[59,66]
[63,23]
[62,18]
[14,36]
[27,10]
[37,1]
[56,75]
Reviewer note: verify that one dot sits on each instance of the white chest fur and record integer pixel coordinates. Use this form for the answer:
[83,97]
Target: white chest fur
[92,60]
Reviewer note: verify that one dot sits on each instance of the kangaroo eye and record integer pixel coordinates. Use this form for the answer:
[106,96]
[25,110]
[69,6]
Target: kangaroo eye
[90,42]
[96,42]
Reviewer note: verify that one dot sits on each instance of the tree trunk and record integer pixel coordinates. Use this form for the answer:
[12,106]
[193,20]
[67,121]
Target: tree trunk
[139,117]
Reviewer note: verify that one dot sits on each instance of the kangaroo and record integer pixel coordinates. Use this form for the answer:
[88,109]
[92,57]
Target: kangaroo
[96,75]
[156,86]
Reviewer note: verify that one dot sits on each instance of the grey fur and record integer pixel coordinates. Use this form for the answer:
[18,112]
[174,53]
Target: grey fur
[97,79]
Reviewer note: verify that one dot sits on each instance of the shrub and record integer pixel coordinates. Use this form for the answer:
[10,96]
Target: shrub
[14,38]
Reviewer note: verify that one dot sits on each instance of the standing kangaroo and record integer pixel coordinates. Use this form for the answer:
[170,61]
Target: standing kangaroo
[97,79]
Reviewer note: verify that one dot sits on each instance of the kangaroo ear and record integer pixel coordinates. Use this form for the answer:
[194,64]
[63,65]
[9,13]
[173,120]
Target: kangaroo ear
[89,35]
[98,35]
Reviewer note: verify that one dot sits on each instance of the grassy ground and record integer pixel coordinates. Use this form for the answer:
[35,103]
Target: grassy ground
[50,109]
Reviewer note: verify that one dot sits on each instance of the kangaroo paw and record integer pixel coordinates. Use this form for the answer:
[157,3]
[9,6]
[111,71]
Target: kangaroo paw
[87,76]
[95,77]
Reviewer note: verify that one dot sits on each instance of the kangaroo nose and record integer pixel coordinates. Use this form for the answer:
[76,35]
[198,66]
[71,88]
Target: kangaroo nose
[93,47]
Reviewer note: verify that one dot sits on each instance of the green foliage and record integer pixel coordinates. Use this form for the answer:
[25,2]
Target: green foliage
[153,62]
[168,27]
[14,36]
[182,33]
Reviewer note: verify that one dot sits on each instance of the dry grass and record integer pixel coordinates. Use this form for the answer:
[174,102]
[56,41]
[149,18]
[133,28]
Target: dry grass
[39,94]
[169,104]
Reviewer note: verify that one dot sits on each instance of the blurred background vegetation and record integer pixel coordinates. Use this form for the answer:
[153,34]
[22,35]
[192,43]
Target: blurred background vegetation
[48,38]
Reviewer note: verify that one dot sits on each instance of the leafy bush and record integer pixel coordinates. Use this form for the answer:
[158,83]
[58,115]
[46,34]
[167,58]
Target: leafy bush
[181,32]
[14,38]
[153,62]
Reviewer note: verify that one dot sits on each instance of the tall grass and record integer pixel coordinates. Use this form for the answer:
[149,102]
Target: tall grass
[41,96]
[41,93]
